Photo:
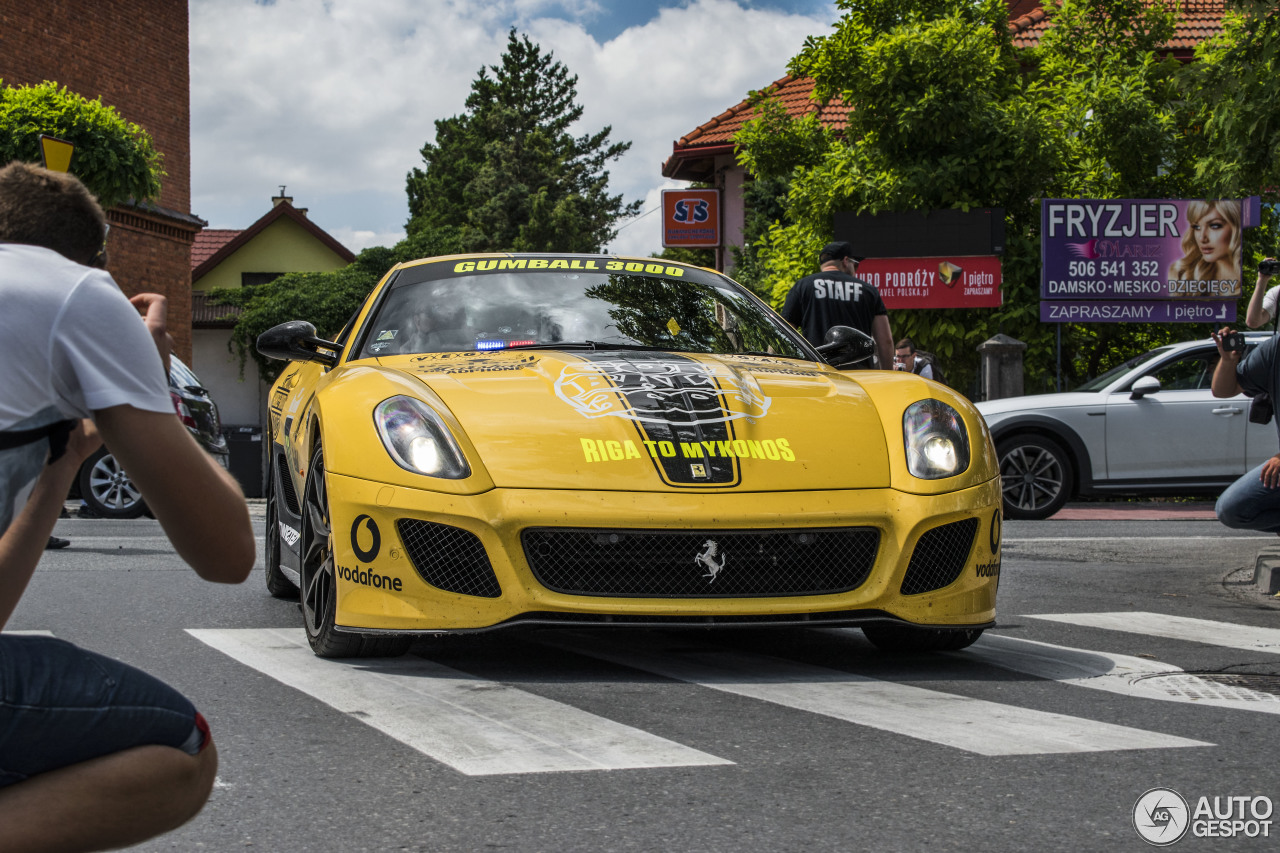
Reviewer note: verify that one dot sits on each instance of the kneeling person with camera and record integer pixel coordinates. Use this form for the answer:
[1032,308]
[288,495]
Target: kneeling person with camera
[1253,501]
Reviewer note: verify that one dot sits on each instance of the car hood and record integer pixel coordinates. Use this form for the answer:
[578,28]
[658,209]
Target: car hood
[1038,403]
[642,421]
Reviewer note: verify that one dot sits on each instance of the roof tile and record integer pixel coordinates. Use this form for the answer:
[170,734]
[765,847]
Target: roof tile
[208,242]
[206,315]
[1199,20]
[794,93]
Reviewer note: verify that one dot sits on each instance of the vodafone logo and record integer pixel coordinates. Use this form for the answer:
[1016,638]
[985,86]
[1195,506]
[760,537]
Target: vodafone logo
[366,555]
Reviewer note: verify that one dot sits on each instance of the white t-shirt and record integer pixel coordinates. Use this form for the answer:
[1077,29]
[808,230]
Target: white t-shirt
[70,343]
[1269,302]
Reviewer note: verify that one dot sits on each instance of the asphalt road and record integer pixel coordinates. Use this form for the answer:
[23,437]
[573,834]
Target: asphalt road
[1130,654]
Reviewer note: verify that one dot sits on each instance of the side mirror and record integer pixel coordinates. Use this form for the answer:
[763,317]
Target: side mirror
[845,346]
[1144,386]
[297,341]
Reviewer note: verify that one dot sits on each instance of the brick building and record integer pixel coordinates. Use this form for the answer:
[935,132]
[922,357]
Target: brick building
[133,54]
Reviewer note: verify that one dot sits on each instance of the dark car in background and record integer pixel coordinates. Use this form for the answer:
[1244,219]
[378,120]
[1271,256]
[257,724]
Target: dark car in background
[105,487]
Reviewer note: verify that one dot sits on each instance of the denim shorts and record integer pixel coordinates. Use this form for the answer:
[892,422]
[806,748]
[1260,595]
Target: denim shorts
[61,705]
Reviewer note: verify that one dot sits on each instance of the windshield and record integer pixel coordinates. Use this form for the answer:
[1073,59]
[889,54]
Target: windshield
[1100,382]
[181,375]
[647,305]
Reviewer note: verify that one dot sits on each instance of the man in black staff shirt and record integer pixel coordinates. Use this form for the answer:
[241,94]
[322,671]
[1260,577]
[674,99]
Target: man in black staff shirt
[835,297]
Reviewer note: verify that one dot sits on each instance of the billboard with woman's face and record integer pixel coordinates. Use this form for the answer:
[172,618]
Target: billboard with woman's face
[1156,252]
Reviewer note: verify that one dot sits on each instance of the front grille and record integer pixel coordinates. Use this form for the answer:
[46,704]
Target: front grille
[701,563]
[939,557]
[286,486]
[449,558]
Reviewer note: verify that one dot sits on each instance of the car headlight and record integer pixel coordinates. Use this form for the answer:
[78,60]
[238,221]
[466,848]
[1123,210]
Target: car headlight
[418,440]
[936,440]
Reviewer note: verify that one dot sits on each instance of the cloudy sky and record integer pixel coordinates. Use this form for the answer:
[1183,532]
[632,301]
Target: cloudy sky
[334,99]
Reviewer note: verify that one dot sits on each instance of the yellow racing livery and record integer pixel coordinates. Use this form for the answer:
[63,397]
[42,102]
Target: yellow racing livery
[588,440]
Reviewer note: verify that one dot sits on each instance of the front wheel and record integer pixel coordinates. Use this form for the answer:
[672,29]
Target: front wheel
[1035,476]
[908,638]
[319,580]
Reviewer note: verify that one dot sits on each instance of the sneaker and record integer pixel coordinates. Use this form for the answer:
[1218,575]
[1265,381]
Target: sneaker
[56,543]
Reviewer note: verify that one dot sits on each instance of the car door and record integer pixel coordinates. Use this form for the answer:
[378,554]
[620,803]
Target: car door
[1179,432]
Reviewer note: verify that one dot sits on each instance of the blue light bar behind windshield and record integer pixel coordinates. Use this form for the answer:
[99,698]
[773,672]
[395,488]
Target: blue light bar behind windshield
[492,345]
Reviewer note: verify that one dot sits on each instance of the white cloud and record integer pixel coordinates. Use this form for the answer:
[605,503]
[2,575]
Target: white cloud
[358,240]
[335,100]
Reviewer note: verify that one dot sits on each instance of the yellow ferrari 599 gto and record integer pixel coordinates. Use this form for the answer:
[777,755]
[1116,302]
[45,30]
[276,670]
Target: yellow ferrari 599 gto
[590,440]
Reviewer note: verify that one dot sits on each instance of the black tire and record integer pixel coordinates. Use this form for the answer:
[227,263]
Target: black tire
[318,592]
[1036,476]
[906,638]
[107,489]
[277,584]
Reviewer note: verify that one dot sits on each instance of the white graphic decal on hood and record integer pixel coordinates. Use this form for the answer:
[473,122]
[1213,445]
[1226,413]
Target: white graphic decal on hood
[661,392]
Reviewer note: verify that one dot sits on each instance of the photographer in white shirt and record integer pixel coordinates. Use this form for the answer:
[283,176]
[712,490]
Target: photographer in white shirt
[1262,308]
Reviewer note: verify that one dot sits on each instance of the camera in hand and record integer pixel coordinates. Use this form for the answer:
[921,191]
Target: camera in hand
[1270,266]
[1233,342]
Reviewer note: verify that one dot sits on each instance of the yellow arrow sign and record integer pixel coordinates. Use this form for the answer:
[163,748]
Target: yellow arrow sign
[56,153]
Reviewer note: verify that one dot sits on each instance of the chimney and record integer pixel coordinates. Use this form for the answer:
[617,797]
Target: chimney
[276,199]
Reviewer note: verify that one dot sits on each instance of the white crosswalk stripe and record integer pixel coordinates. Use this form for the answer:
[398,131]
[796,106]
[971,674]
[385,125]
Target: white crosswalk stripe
[482,727]
[1226,634]
[1115,673]
[477,727]
[974,725]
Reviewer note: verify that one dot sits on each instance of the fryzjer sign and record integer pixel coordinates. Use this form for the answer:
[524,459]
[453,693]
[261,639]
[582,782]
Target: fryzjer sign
[1142,260]
[971,281]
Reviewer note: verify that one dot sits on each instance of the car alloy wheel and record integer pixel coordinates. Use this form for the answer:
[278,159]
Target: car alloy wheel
[1035,476]
[107,489]
[319,580]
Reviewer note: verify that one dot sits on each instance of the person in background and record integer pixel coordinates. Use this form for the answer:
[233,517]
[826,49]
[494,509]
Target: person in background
[906,358]
[94,754]
[836,297]
[1253,501]
[1262,308]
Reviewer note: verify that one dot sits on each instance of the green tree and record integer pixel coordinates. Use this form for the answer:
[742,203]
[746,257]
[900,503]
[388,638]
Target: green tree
[1236,104]
[507,175]
[113,157]
[946,113]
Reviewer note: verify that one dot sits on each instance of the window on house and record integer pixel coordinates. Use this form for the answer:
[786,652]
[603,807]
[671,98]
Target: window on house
[252,279]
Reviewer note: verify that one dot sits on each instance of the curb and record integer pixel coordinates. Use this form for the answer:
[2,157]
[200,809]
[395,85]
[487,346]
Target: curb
[1266,571]
[1136,511]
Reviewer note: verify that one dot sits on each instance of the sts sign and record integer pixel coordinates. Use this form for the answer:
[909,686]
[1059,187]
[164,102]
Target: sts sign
[691,218]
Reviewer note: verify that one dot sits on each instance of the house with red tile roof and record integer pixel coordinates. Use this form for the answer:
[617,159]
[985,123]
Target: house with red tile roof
[283,240]
[706,154]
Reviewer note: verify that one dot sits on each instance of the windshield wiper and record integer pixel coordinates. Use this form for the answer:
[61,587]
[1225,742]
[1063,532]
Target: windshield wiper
[772,355]
[591,345]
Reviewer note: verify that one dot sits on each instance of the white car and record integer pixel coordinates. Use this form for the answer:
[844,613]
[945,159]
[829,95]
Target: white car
[1148,427]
